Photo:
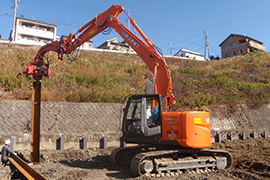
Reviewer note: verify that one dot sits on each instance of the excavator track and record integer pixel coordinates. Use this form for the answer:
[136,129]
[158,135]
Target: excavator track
[175,162]
[124,155]
[150,161]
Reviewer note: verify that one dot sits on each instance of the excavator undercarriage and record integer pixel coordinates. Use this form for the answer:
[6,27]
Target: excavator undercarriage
[158,161]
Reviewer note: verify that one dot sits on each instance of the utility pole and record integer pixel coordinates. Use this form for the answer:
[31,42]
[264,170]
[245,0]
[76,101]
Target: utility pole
[206,50]
[14,21]
[129,48]
[171,51]
[128,20]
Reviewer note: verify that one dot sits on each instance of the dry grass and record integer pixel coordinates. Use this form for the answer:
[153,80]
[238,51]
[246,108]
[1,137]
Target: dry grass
[109,77]
[242,79]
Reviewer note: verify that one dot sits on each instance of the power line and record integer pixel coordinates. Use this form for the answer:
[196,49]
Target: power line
[5,14]
[214,50]
[52,21]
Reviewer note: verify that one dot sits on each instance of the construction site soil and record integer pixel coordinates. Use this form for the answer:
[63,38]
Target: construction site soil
[251,160]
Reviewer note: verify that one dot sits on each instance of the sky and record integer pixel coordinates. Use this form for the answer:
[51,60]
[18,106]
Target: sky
[179,23]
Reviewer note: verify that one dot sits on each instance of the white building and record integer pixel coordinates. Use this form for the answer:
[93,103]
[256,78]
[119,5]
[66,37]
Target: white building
[187,54]
[116,44]
[33,32]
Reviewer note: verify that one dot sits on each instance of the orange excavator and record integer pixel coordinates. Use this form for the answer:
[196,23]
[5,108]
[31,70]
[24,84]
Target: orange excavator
[167,142]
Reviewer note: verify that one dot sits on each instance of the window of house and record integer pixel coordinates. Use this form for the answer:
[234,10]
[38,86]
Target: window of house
[241,51]
[225,47]
[234,53]
[233,44]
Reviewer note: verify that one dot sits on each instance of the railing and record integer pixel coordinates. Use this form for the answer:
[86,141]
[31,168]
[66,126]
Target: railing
[28,172]
[256,45]
[35,32]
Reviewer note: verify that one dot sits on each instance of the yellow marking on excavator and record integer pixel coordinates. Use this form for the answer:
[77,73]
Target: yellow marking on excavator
[197,120]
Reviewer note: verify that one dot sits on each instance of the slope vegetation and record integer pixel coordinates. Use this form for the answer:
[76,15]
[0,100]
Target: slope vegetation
[109,77]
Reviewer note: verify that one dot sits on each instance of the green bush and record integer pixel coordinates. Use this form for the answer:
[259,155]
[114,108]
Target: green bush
[199,99]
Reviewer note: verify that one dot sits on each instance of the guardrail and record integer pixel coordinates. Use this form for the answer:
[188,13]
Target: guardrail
[27,171]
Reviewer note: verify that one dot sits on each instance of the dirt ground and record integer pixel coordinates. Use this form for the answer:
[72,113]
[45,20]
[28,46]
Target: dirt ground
[251,160]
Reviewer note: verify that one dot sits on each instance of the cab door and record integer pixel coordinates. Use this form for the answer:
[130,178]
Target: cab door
[142,115]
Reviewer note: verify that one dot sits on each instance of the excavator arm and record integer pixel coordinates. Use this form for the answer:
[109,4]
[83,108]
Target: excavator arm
[39,68]
[109,19]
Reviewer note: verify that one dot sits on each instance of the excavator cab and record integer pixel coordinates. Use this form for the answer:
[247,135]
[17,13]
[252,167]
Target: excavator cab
[142,118]
[146,121]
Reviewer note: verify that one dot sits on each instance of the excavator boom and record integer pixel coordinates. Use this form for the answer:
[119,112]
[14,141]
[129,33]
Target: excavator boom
[109,19]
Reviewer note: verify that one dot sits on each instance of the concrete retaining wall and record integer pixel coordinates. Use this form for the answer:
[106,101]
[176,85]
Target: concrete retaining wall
[95,120]
[238,119]
[72,120]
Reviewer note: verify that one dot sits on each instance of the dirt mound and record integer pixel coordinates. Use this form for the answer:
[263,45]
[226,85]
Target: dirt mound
[251,160]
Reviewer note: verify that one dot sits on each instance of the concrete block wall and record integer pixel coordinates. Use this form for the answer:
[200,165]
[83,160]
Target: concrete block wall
[73,120]
[96,120]
[239,119]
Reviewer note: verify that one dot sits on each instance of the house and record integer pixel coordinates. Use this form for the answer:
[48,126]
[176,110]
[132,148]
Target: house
[4,41]
[33,32]
[236,44]
[116,44]
[86,46]
[187,54]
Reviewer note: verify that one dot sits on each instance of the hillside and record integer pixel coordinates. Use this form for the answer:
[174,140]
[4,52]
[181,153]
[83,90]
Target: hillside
[109,77]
